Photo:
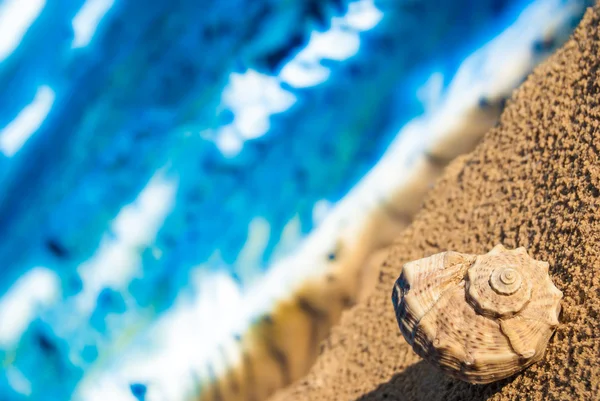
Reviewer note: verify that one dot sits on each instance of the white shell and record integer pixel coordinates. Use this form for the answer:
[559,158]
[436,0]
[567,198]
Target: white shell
[479,318]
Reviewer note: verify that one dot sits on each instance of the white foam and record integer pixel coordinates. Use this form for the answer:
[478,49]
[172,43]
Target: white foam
[334,44]
[252,87]
[115,390]
[16,16]
[87,19]
[430,94]
[300,75]
[253,121]
[337,43]
[27,122]
[118,259]
[19,305]
[183,338]
[320,211]
[362,15]
[248,259]
[254,97]
[291,235]
[229,141]
[17,380]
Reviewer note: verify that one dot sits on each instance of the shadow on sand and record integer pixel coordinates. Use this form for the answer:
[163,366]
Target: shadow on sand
[421,381]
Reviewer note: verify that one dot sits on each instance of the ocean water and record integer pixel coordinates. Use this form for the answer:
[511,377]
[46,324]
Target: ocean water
[175,152]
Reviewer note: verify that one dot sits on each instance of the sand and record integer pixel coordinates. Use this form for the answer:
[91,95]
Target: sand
[534,181]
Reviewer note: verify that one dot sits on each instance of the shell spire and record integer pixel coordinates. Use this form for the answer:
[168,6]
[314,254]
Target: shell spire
[480,318]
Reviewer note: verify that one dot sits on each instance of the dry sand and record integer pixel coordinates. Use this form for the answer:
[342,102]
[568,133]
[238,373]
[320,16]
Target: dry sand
[534,181]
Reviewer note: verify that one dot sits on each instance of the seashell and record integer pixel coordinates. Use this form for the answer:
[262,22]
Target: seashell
[480,318]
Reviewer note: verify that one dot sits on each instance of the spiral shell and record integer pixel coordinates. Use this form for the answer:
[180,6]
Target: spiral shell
[480,318]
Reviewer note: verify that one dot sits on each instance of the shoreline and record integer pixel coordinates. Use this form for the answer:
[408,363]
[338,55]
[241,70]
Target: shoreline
[532,182]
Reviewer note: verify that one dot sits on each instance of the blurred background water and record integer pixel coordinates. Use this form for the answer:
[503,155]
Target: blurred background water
[147,145]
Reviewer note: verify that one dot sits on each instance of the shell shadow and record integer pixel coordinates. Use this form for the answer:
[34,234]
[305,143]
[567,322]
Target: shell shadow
[422,381]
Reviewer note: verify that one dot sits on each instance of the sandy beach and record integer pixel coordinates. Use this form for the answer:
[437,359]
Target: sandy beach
[534,181]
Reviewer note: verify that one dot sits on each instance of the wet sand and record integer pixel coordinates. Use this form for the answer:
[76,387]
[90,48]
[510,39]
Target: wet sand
[534,181]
